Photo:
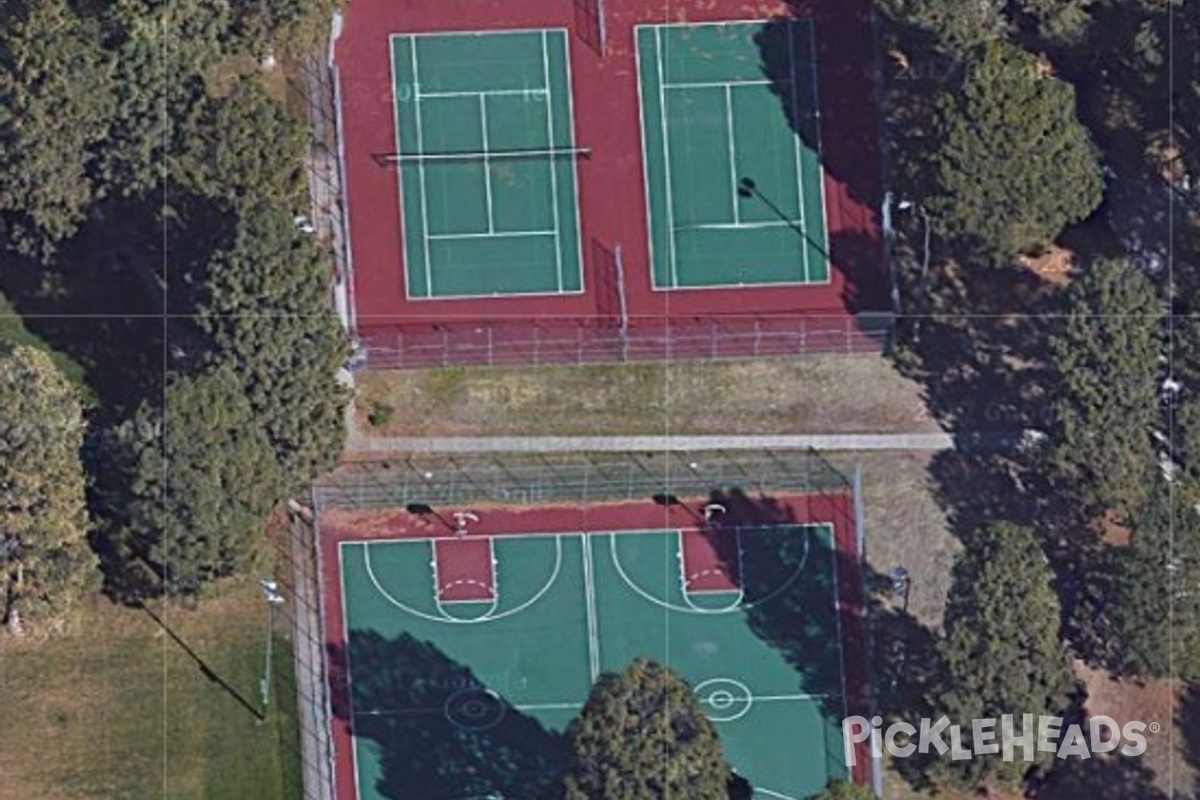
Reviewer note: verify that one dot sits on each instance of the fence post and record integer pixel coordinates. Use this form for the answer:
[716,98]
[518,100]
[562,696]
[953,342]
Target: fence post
[622,308]
[490,347]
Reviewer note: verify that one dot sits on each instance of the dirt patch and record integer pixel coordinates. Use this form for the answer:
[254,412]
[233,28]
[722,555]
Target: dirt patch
[1053,267]
[1112,532]
[1155,703]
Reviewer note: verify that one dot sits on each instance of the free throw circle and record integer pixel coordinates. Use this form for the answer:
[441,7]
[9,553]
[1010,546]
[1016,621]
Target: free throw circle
[474,709]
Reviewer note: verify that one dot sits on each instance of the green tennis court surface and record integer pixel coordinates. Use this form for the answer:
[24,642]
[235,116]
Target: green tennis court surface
[455,700]
[735,194]
[485,146]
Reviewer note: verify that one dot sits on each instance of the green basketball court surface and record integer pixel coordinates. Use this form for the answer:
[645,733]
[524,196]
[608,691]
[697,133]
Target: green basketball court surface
[734,189]
[456,699]
[485,138]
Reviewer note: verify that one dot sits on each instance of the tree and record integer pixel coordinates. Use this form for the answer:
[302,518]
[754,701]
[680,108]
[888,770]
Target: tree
[268,309]
[959,26]
[56,102]
[1156,612]
[1106,356]
[152,87]
[1002,648]
[44,557]
[243,148]
[258,23]
[1063,21]
[1017,166]
[642,735]
[201,483]
[845,790]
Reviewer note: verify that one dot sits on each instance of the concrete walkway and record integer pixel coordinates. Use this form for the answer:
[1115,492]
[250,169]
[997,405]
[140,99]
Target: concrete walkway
[359,444]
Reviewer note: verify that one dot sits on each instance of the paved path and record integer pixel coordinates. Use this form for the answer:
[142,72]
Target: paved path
[359,444]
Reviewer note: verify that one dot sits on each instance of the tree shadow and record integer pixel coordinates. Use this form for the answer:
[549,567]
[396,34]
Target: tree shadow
[865,654]
[839,41]
[437,731]
[1188,722]
[1101,777]
[118,297]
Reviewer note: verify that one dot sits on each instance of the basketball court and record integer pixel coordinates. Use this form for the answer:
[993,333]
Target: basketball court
[486,156]
[734,186]
[472,652]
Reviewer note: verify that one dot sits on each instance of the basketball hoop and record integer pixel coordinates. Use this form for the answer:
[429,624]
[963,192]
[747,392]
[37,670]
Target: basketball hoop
[462,519]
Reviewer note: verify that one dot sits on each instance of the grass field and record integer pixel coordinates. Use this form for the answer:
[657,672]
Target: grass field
[13,331]
[119,709]
[810,395]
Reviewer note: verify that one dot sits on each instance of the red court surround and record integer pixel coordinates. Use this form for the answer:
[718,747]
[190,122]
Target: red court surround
[611,184]
[337,526]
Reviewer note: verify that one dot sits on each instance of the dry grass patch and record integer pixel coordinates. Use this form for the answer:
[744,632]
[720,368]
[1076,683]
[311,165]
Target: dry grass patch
[118,709]
[810,395]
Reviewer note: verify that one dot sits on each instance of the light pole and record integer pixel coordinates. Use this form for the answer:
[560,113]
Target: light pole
[906,205]
[273,598]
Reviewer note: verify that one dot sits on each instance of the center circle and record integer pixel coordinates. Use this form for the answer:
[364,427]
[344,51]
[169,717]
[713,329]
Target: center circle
[721,699]
[474,709]
[725,699]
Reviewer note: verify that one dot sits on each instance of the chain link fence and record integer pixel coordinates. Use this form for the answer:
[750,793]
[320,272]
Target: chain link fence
[580,341]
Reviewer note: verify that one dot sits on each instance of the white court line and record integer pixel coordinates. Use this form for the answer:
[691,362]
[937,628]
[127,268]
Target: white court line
[421,173]
[437,580]
[739,225]
[346,644]
[589,593]
[662,107]
[496,235]
[488,32]
[446,618]
[530,92]
[812,54]
[647,189]
[796,151]
[566,48]
[487,164]
[553,169]
[686,593]
[494,563]
[403,202]
[548,706]
[717,84]
[837,616]
[731,147]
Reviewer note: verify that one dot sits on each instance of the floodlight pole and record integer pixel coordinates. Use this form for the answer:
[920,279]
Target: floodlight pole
[906,205]
[273,598]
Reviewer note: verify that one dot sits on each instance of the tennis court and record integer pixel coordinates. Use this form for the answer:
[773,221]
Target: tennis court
[468,656]
[486,157]
[733,173]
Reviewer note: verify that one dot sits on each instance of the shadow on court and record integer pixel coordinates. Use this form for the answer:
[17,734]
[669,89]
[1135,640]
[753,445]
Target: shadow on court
[894,657]
[437,732]
[848,120]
